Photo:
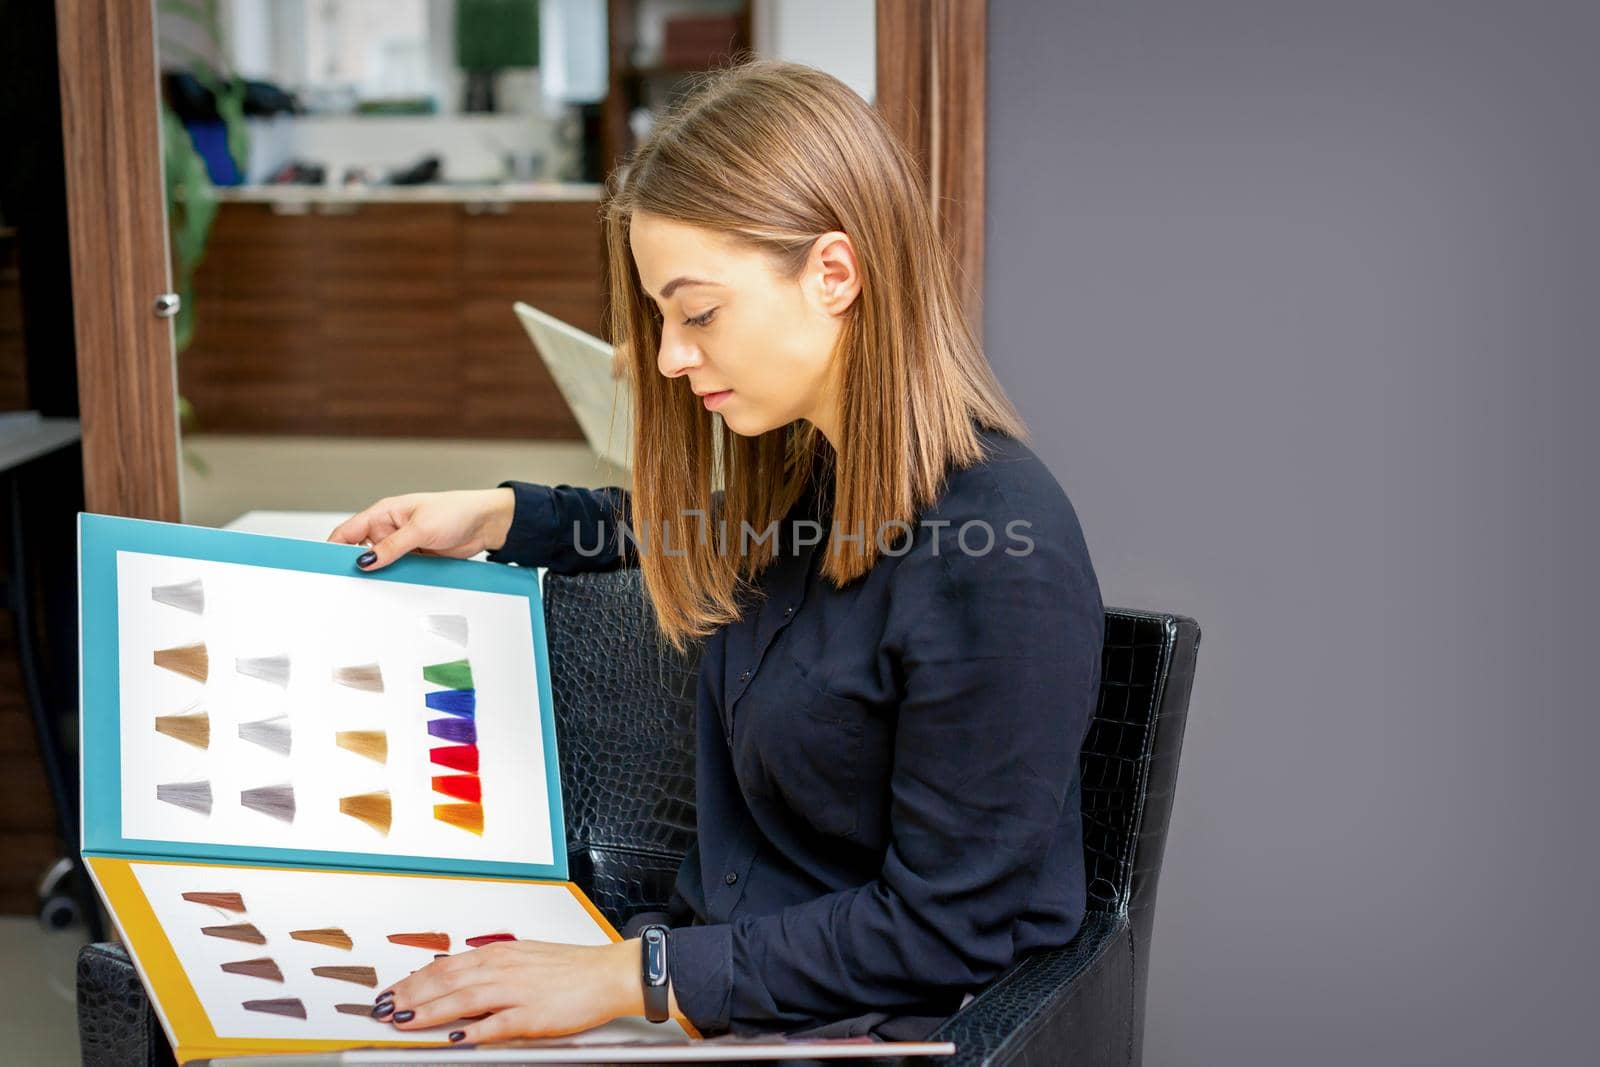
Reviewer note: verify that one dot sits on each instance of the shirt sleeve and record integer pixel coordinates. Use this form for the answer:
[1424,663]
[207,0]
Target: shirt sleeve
[1000,656]
[567,529]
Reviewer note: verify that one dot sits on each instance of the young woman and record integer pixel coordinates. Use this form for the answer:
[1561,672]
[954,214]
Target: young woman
[902,629]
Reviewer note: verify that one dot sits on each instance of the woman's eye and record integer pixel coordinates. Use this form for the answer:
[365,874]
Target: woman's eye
[702,319]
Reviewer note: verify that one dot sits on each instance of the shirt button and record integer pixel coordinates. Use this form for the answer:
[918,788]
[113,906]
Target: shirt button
[745,677]
[730,878]
[789,610]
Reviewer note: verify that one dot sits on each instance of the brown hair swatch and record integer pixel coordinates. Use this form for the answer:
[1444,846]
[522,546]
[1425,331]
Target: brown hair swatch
[435,942]
[364,676]
[226,901]
[366,976]
[193,729]
[467,817]
[357,1009]
[373,744]
[374,809]
[237,932]
[188,660]
[257,968]
[290,1006]
[331,936]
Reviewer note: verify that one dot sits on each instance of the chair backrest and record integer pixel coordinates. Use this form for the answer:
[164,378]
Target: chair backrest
[624,711]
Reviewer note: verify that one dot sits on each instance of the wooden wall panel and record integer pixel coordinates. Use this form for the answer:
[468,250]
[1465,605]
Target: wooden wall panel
[111,142]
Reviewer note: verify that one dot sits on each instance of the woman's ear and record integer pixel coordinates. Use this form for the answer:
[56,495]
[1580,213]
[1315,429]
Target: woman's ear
[833,277]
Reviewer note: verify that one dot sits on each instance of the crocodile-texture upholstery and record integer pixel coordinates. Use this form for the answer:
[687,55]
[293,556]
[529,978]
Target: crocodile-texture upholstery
[624,703]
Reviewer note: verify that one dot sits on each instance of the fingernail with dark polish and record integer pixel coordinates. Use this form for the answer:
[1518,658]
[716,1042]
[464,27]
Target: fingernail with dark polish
[366,559]
[404,1016]
[387,994]
[383,1010]
[458,1035]
[441,955]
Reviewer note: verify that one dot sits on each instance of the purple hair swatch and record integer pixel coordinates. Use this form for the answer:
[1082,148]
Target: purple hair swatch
[461,731]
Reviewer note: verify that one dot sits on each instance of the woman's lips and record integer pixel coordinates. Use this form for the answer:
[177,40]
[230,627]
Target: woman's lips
[713,401]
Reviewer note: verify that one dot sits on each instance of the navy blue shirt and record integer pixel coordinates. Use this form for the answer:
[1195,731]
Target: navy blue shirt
[886,773]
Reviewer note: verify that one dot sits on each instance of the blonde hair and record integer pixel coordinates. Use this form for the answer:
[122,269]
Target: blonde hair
[772,155]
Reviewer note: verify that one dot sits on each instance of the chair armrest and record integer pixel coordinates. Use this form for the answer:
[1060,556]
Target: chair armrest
[1068,1005]
[115,1024]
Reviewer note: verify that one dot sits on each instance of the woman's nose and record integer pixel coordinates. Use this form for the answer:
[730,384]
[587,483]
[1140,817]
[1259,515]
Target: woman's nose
[677,356]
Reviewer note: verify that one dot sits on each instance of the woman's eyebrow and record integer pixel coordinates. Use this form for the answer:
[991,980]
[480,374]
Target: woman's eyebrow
[677,283]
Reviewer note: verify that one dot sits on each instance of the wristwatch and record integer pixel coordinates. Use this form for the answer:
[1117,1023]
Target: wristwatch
[653,971]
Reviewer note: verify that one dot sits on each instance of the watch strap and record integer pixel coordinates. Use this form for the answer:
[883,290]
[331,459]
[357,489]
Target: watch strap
[653,971]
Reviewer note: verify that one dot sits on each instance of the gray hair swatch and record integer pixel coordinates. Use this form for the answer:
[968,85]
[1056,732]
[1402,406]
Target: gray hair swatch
[191,796]
[450,627]
[188,596]
[274,800]
[364,676]
[273,734]
[273,669]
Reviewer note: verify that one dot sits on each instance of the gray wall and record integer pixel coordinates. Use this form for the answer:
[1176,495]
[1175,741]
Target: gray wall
[1299,298]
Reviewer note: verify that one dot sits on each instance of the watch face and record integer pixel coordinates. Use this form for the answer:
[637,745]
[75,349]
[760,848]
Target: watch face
[655,957]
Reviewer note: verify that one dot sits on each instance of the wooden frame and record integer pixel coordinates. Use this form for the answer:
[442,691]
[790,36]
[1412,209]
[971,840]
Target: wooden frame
[931,75]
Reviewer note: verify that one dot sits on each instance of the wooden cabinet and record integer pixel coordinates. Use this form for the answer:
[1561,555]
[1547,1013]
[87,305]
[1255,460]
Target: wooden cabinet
[388,319]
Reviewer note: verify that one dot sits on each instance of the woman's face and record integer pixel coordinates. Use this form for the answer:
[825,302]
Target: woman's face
[756,347]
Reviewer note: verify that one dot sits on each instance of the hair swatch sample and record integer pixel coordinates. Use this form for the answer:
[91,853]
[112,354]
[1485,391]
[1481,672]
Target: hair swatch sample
[364,676]
[190,596]
[366,976]
[190,661]
[274,800]
[462,702]
[192,796]
[461,731]
[373,809]
[450,627]
[489,939]
[460,786]
[457,674]
[258,968]
[272,734]
[331,936]
[237,932]
[192,729]
[462,816]
[226,901]
[456,757]
[373,744]
[289,1006]
[364,1010]
[273,669]
[432,942]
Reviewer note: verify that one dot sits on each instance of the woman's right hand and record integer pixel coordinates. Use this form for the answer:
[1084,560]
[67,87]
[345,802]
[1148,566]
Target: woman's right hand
[459,523]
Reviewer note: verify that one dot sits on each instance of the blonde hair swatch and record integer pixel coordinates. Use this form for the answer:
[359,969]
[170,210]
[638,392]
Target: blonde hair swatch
[190,661]
[365,676]
[373,744]
[366,976]
[274,800]
[452,628]
[374,809]
[331,936]
[271,669]
[273,734]
[189,596]
[237,932]
[192,729]
[191,796]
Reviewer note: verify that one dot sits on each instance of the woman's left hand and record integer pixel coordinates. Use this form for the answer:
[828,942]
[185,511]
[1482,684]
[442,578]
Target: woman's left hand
[526,989]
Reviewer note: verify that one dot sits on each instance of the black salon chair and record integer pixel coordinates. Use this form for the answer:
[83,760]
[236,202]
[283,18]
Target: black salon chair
[628,786]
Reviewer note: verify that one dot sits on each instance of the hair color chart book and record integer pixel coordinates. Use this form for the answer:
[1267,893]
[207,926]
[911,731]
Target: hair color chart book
[301,781]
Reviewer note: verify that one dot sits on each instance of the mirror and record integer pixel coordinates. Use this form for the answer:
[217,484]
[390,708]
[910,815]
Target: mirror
[359,190]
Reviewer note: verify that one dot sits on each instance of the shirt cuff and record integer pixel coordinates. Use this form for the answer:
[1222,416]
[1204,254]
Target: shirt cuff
[700,967]
[532,520]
